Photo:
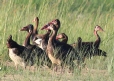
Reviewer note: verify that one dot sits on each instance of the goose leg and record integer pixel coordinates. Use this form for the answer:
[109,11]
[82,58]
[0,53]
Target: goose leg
[54,67]
[71,68]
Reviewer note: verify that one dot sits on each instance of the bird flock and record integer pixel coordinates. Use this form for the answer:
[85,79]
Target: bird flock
[51,49]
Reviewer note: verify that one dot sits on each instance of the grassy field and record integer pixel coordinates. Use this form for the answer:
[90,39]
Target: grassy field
[78,18]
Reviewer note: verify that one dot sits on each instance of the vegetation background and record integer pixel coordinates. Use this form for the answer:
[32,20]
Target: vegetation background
[78,18]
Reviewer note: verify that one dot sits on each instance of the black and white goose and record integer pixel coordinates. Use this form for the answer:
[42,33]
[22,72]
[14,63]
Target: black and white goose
[37,53]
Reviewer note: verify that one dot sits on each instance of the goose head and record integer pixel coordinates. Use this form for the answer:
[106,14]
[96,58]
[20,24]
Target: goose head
[56,22]
[51,26]
[28,28]
[36,19]
[61,36]
[11,43]
[98,28]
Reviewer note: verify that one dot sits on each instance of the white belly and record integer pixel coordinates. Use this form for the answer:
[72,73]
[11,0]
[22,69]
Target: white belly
[16,59]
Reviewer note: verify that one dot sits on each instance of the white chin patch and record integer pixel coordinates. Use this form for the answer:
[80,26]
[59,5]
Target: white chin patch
[38,41]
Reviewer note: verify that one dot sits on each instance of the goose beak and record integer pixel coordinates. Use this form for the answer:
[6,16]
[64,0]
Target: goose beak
[101,29]
[21,29]
[24,28]
[50,22]
[45,27]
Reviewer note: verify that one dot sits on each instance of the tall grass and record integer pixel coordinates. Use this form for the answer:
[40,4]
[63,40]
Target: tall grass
[78,18]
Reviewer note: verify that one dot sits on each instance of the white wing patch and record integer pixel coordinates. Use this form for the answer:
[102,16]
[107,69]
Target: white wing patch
[38,41]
